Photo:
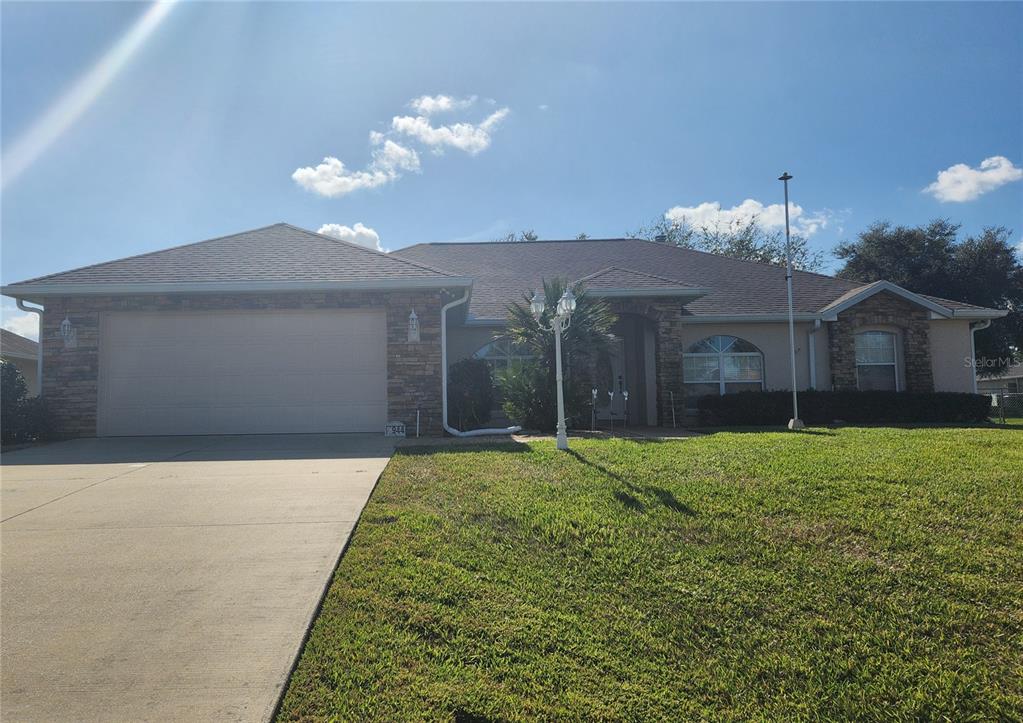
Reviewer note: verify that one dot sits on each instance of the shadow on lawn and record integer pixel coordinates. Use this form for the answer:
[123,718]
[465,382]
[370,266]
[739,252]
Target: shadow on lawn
[630,497]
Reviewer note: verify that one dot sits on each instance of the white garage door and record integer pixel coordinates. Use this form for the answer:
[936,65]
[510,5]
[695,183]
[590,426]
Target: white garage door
[247,372]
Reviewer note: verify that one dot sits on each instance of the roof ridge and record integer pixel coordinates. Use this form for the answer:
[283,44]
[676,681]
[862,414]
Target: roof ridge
[634,271]
[502,242]
[366,249]
[142,255]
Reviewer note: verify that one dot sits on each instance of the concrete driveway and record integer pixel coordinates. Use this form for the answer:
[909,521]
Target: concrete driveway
[169,578]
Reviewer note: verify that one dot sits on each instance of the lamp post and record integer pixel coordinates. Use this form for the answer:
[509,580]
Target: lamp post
[560,321]
[795,422]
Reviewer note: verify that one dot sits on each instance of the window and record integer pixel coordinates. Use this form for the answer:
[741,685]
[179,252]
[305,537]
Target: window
[876,361]
[721,365]
[502,353]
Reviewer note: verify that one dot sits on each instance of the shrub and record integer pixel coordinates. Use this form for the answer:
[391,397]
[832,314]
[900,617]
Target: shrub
[530,398]
[470,393]
[775,408]
[22,418]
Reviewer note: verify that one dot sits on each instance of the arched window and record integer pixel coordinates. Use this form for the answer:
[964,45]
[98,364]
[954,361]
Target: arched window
[877,365]
[502,353]
[721,365]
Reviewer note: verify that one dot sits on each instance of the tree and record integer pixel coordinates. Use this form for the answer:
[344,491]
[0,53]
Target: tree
[748,241]
[529,389]
[983,270]
[527,235]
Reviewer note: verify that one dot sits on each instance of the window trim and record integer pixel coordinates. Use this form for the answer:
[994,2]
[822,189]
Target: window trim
[896,362]
[508,357]
[720,355]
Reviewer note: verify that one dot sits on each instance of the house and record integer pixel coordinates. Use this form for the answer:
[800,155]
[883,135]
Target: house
[1009,383]
[24,354]
[281,329]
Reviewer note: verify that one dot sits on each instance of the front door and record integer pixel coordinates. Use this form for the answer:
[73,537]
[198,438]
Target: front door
[611,377]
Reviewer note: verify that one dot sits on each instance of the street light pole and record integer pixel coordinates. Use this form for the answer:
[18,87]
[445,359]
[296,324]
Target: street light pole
[795,422]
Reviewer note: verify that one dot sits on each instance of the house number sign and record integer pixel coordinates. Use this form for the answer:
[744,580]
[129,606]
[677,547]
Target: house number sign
[394,429]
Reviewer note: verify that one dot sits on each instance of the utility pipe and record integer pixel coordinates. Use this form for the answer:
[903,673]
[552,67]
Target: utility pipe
[974,328]
[39,360]
[444,379]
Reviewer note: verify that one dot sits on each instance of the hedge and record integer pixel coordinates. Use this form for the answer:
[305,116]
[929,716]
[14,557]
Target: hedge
[775,408]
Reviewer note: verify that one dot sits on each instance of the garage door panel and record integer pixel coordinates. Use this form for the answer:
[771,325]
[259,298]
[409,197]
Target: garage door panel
[242,372]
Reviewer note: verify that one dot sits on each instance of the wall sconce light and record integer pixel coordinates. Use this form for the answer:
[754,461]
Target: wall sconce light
[68,333]
[413,326]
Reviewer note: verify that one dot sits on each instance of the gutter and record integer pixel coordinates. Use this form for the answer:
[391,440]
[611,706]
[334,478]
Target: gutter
[974,328]
[444,378]
[39,358]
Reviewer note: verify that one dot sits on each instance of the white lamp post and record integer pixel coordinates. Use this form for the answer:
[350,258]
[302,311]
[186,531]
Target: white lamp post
[559,322]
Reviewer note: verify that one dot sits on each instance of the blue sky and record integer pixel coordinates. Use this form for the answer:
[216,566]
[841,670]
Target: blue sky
[601,118]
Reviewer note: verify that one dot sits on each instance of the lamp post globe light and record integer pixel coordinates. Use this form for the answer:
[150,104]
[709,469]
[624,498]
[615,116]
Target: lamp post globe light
[559,322]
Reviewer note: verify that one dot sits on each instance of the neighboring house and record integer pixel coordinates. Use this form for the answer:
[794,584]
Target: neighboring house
[1012,383]
[281,329]
[24,354]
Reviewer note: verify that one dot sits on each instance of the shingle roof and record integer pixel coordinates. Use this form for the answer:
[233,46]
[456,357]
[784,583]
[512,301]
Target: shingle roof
[615,277]
[278,253]
[16,346]
[504,271]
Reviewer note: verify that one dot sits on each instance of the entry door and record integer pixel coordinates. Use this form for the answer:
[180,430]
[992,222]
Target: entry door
[611,376]
[242,372]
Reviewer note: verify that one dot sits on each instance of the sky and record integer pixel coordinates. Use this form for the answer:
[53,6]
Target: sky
[127,128]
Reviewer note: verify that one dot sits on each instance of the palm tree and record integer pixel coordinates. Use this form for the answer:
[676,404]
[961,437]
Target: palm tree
[529,389]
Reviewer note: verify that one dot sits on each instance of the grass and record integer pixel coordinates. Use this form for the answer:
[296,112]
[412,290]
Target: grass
[851,573]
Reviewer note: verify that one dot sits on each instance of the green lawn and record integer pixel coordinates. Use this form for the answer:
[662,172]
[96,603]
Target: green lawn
[853,573]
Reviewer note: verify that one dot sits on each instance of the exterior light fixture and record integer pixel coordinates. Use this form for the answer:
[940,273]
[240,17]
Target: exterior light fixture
[68,333]
[537,305]
[413,326]
[558,324]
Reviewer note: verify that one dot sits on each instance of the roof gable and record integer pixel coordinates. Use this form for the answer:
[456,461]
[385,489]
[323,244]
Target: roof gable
[275,257]
[616,281]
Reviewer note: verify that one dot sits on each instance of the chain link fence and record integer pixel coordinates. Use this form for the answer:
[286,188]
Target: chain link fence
[1006,405]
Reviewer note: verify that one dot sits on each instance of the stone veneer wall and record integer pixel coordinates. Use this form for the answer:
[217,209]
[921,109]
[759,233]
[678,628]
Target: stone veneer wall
[883,310]
[71,375]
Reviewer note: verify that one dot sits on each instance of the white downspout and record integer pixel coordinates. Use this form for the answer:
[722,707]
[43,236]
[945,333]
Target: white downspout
[974,328]
[444,378]
[39,360]
[812,351]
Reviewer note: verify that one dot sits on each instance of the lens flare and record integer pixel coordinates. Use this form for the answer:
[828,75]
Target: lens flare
[69,107]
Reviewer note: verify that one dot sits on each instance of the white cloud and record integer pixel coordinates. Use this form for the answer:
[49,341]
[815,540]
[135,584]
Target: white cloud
[543,106]
[430,104]
[359,234]
[710,215]
[331,178]
[391,160]
[464,136]
[20,322]
[960,183]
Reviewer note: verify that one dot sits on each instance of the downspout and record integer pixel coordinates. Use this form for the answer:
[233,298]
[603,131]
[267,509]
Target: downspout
[444,378]
[39,360]
[812,351]
[974,328]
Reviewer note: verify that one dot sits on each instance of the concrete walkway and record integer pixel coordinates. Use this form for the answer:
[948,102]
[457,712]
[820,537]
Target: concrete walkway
[169,578]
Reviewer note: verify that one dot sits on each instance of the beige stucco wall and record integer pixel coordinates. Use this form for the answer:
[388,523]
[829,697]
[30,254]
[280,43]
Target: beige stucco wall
[950,355]
[773,341]
[464,341]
